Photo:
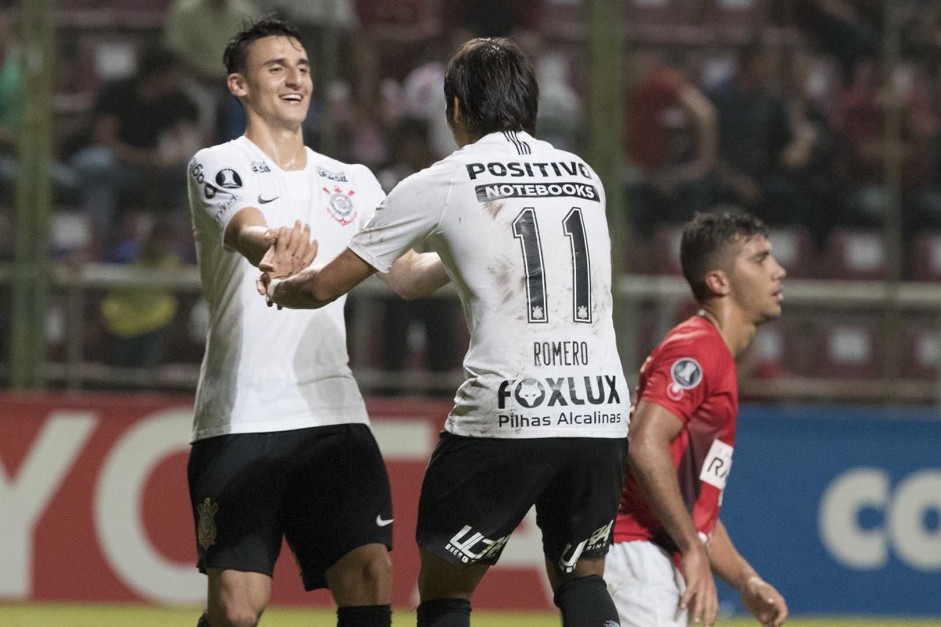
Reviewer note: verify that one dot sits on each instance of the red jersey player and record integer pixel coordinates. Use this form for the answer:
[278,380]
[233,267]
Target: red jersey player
[668,537]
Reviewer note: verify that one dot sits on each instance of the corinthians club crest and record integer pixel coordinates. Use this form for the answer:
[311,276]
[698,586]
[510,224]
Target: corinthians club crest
[206,528]
[340,204]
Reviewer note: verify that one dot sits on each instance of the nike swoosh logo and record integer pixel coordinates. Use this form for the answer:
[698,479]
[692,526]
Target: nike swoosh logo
[265,201]
[382,522]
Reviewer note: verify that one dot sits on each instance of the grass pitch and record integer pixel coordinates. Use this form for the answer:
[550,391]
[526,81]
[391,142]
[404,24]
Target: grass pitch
[77,615]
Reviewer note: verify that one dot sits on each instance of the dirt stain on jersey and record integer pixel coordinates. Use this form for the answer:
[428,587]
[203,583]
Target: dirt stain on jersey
[506,277]
[493,208]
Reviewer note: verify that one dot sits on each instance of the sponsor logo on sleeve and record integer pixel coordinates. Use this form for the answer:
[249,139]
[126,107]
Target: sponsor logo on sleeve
[228,178]
[718,463]
[685,374]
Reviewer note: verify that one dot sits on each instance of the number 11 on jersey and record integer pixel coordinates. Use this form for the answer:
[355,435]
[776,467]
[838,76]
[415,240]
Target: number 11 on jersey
[526,229]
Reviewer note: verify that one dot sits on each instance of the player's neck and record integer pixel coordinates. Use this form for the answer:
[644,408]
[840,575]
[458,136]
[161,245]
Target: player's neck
[736,331]
[285,146]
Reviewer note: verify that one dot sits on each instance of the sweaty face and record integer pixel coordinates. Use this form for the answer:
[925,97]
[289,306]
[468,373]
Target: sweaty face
[756,280]
[277,85]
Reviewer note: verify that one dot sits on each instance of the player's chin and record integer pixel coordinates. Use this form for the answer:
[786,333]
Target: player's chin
[772,313]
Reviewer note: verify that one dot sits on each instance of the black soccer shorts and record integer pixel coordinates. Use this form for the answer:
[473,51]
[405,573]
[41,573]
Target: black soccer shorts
[476,491]
[323,488]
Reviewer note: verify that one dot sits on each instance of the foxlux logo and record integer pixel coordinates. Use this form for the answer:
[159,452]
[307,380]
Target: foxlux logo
[561,391]
[471,546]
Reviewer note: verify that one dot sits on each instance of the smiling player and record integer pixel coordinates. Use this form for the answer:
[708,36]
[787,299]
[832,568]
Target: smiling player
[281,441]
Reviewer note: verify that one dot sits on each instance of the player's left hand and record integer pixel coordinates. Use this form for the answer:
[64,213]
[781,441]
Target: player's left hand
[764,602]
[292,251]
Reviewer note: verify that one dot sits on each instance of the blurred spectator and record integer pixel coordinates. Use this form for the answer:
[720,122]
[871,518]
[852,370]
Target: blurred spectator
[11,109]
[754,133]
[363,112]
[671,142]
[847,29]
[863,111]
[491,18]
[810,160]
[143,131]
[398,28]
[137,319]
[434,318]
[422,93]
[560,107]
[196,31]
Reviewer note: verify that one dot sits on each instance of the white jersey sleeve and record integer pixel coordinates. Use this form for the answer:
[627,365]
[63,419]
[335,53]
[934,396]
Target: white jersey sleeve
[410,213]
[220,186]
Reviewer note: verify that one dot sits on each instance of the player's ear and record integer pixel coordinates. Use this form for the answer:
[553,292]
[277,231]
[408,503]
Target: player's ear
[236,84]
[457,116]
[718,282]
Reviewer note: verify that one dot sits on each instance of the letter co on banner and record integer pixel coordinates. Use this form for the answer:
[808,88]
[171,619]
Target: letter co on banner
[840,508]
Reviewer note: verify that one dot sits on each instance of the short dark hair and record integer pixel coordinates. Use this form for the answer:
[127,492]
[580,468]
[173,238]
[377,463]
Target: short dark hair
[495,85]
[236,51]
[706,242]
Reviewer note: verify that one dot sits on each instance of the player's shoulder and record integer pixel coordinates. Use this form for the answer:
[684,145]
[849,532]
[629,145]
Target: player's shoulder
[233,150]
[695,337]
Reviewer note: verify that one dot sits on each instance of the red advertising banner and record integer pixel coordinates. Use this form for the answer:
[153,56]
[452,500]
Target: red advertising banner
[94,505]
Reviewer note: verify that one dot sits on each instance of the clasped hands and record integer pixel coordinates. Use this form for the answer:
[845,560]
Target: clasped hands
[291,252]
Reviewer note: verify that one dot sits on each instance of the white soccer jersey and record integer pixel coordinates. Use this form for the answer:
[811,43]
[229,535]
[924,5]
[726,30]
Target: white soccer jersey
[521,228]
[265,369]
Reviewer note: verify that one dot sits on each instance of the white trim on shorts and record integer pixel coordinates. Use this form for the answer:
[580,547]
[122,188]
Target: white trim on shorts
[645,585]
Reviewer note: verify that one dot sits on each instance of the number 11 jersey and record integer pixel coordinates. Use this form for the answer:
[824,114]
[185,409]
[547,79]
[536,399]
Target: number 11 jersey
[522,231]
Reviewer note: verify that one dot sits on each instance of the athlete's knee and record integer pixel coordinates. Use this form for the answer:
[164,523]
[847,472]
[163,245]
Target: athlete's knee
[233,611]
[362,577]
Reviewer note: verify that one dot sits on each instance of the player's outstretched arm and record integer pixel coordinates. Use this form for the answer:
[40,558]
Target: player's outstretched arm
[315,287]
[415,275]
[758,596]
[653,427]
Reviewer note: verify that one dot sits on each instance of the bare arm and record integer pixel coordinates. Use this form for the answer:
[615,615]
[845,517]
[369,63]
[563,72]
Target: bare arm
[415,275]
[248,234]
[653,428]
[760,598]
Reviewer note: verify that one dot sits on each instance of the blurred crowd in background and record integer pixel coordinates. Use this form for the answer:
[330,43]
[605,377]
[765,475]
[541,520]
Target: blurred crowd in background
[779,107]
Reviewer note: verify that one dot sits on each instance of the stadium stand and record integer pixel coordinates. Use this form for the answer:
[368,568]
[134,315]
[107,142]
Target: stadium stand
[854,253]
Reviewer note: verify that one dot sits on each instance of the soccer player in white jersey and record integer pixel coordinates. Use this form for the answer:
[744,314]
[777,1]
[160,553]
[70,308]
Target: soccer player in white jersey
[541,418]
[281,441]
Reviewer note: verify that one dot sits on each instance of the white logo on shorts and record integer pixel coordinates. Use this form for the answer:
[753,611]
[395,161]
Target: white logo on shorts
[382,522]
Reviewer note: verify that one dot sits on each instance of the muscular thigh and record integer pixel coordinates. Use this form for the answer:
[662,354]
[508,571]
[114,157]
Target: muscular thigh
[338,500]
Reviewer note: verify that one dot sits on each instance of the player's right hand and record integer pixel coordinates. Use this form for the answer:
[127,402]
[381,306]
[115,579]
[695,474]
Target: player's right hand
[700,597]
[292,251]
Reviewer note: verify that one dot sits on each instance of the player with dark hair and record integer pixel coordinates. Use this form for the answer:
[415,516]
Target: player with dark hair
[281,441]
[668,537]
[541,418]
